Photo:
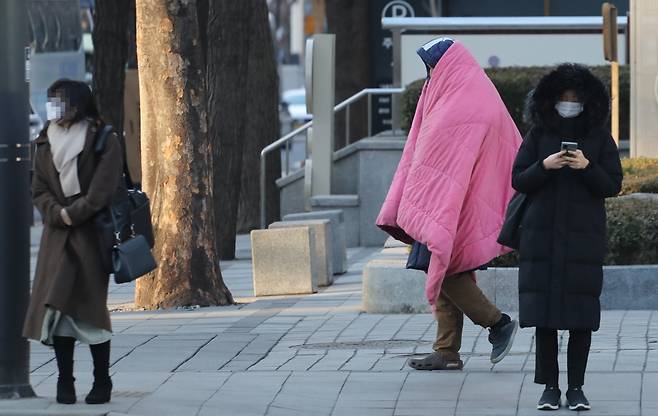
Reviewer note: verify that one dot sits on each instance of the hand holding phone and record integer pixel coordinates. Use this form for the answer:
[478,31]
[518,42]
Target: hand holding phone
[569,147]
[573,156]
[555,161]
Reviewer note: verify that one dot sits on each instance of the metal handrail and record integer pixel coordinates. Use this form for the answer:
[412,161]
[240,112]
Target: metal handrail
[285,140]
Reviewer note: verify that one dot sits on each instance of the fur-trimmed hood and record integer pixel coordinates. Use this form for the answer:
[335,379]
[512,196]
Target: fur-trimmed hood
[540,105]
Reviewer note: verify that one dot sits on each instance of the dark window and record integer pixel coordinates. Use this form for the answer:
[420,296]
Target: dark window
[54,25]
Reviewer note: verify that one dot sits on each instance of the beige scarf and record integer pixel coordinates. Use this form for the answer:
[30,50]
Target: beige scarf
[66,145]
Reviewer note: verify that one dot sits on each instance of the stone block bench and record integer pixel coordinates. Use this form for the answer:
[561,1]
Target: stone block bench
[388,287]
[323,248]
[284,261]
[336,220]
[349,204]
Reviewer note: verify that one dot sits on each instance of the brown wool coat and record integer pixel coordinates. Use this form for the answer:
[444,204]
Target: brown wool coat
[69,275]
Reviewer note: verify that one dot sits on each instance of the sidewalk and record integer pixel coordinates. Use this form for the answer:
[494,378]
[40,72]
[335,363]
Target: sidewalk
[318,355]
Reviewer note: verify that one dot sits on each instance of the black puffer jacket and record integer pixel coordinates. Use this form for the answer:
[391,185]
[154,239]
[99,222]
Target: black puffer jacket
[563,234]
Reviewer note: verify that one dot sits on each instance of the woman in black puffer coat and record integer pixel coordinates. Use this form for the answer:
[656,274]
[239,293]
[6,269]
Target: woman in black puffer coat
[563,231]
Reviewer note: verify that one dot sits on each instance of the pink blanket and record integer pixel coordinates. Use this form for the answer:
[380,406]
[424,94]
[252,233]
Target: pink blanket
[453,183]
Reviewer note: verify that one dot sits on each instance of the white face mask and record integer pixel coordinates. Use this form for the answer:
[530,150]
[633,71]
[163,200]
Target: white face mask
[569,109]
[55,110]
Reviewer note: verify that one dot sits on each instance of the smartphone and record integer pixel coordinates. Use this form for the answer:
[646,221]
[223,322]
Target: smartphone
[570,147]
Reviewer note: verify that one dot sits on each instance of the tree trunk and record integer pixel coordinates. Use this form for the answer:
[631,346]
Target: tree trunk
[227,66]
[111,49]
[132,36]
[177,158]
[348,19]
[262,124]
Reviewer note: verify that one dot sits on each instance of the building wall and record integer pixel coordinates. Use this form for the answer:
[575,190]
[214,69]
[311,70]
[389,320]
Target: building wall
[464,8]
[644,79]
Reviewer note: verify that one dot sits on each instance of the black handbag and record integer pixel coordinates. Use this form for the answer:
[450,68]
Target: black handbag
[419,257]
[132,259]
[128,216]
[510,234]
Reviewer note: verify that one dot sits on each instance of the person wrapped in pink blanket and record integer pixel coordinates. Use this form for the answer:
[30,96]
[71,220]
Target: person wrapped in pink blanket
[450,192]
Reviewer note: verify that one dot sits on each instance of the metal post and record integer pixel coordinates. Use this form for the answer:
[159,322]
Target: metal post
[397,78]
[263,189]
[15,203]
[323,98]
[614,87]
[347,125]
[369,98]
[287,158]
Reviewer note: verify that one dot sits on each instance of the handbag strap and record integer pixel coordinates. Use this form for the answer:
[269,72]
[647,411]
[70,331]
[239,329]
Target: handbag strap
[117,230]
[99,148]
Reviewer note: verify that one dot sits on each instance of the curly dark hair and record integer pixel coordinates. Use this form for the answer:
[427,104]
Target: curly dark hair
[540,105]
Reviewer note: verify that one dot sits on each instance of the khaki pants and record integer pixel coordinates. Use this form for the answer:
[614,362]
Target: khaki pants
[460,296]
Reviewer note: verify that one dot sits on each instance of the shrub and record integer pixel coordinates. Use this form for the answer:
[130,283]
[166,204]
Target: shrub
[408,102]
[632,231]
[649,186]
[640,175]
[514,83]
[632,234]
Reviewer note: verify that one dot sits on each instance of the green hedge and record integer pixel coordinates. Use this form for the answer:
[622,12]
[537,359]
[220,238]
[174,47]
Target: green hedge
[632,234]
[514,83]
[640,175]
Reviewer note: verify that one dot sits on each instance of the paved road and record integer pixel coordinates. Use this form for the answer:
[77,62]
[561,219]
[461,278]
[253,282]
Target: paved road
[318,355]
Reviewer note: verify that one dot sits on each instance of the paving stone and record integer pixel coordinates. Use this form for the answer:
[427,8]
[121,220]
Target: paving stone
[477,389]
[362,361]
[425,407]
[333,361]
[308,393]
[251,343]
[301,362]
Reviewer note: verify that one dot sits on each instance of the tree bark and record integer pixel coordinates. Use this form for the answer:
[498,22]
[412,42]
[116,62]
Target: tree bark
[227,67]
[262,125]
[348,19]
[177,158]
[111,49]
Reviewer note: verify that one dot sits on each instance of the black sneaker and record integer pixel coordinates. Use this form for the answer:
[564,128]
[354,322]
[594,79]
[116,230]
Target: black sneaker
[577,400]
[501,338]
[550,399]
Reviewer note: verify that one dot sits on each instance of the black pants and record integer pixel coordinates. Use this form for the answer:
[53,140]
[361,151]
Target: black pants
[547,370]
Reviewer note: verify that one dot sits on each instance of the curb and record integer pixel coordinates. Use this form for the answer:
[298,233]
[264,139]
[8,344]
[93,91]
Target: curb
[43,406]
[46,412]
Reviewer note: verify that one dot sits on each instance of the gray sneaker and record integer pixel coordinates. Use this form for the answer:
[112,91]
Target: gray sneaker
[501,340]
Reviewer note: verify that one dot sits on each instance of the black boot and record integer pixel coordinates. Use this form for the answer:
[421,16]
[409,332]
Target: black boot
[101,392]
[66,391]
[65,382]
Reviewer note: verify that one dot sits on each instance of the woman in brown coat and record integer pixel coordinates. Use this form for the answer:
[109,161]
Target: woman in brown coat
[71,184]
